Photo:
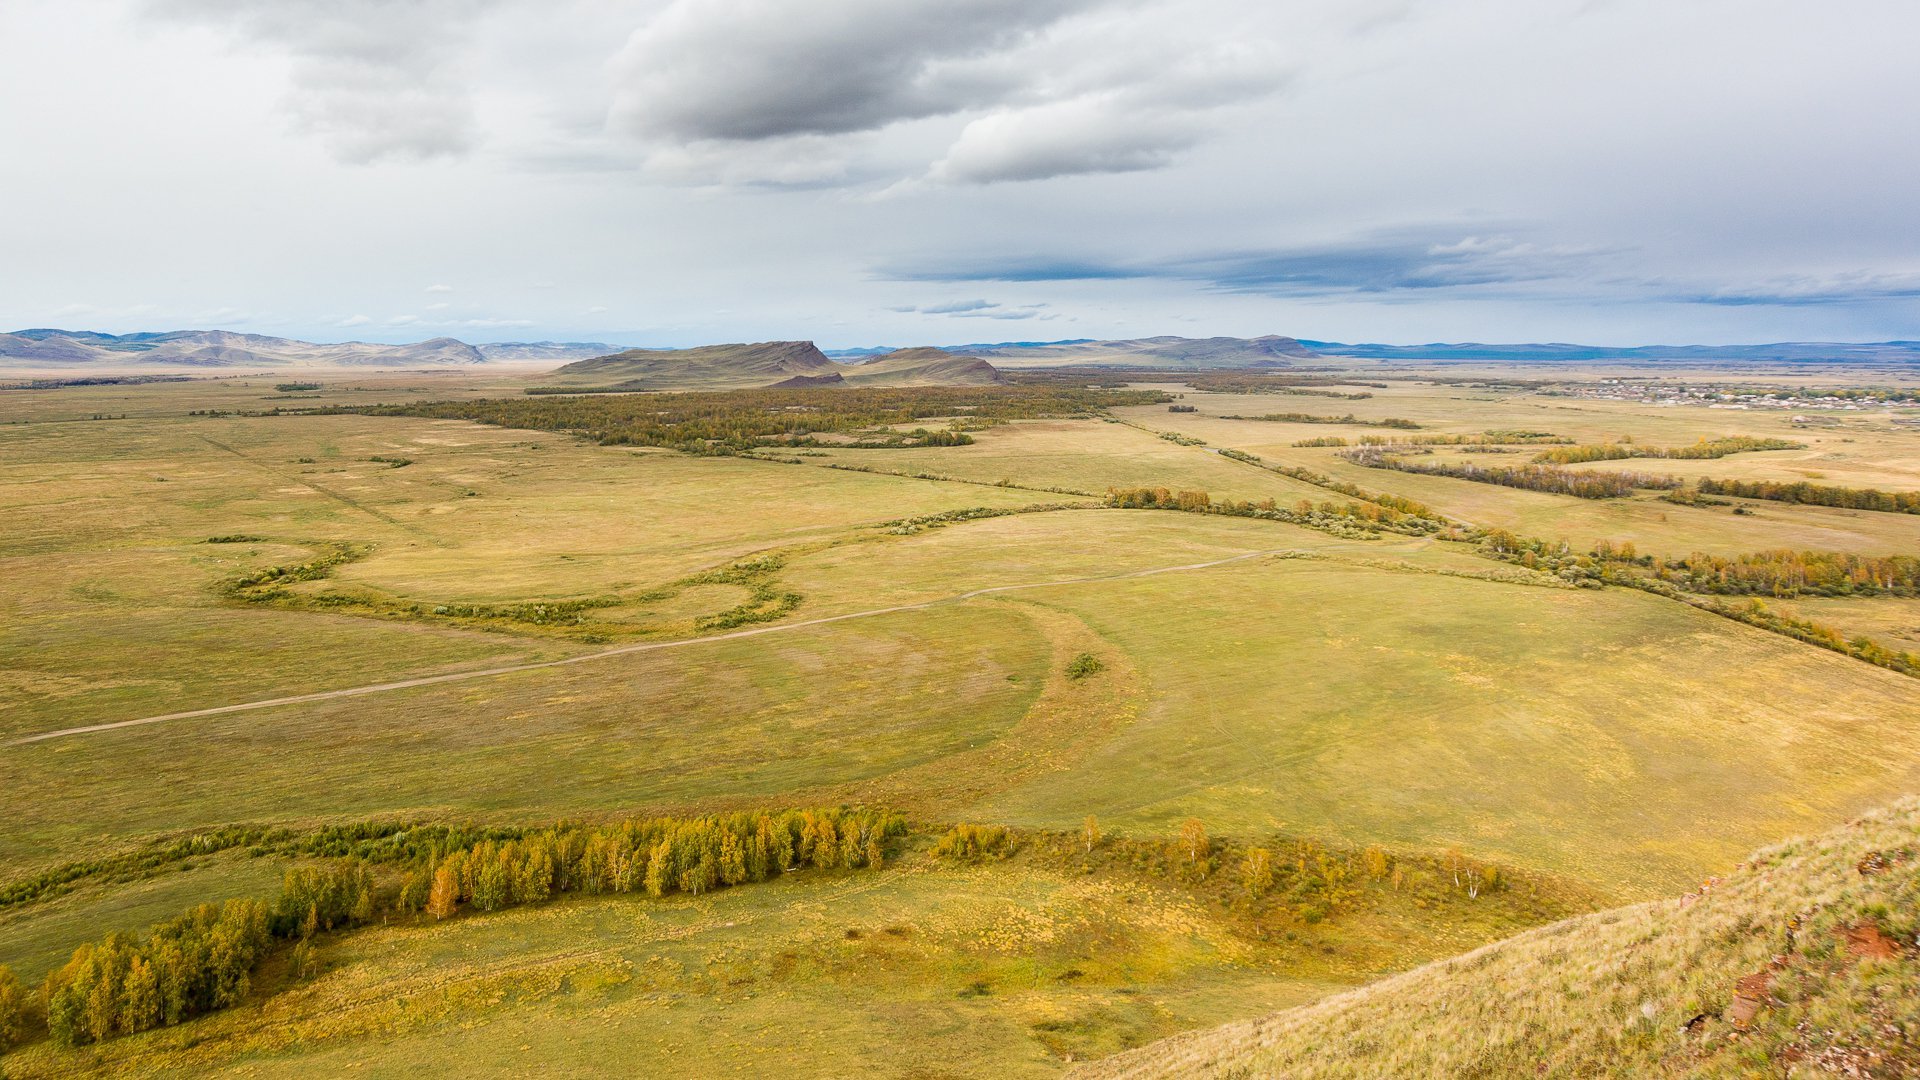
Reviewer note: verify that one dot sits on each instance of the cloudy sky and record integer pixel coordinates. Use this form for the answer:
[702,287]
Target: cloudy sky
[867,172]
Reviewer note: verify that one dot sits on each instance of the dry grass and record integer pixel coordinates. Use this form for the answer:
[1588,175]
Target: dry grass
[1618,993]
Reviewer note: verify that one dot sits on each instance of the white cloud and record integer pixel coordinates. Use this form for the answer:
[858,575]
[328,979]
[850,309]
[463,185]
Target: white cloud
[375,80]
[1742,170]
[1087,135]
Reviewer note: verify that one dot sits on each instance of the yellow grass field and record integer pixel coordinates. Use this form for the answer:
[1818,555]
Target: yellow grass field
[959,633]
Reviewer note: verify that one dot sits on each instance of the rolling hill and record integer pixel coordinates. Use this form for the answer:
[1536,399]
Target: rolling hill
[709,367]
[781,364]
[922,367]
[1804,961]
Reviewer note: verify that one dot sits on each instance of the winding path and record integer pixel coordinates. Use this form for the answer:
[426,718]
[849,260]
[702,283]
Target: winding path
[623,650]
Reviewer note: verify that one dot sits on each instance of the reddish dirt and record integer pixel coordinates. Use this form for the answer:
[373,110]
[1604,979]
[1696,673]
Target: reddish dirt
[1749,996]
[1865,942]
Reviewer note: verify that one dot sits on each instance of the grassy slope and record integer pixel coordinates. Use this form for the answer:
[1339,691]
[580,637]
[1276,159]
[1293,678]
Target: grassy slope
[1281,691]
[923,970]
[1608,994]
[741,720]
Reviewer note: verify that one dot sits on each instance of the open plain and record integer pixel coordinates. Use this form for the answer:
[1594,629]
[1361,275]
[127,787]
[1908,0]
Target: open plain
[1397,734]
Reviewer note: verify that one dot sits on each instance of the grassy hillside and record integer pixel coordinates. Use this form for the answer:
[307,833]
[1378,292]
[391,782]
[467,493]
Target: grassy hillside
[708,367]
[1011,966]
[1821,934]
[921,367]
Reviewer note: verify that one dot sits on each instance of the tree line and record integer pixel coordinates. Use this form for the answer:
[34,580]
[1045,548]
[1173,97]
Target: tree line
[1692,580]
[1316,418]
[733,421]
[1351,520]
[1400,504]
[1704,449]
[1490,438]
[1548,478]
[1290,879]
[1892,502]
[1782,573]
[206,958]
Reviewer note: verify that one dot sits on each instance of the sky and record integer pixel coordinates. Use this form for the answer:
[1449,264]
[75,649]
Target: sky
[903,172]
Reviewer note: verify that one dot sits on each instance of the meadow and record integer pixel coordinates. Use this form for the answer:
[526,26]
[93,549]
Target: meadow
[959,633]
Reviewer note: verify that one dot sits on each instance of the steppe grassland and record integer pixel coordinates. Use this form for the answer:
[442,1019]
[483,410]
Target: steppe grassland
[1547,728]
[1891,620]
[1650,523]
[1082,455]
[748,720]
[250,393]
[1258,695]
[1351,690]
[107,523]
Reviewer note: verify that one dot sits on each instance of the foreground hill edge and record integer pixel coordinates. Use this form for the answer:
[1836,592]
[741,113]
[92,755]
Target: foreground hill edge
[1803,961]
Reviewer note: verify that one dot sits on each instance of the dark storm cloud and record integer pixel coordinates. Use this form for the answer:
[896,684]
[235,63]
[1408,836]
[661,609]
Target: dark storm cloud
[765,69]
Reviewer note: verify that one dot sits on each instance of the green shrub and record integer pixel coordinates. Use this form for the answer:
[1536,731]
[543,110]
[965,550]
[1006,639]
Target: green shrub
[1083,665]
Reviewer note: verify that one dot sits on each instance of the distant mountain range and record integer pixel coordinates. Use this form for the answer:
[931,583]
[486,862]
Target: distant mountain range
[1152,352]
[190,349]
[1788,352]
[737,365]
[1273,351]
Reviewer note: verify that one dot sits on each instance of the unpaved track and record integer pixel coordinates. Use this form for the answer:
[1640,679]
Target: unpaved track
[624,650]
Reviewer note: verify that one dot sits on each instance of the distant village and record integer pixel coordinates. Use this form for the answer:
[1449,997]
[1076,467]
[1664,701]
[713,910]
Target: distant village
[1745,397]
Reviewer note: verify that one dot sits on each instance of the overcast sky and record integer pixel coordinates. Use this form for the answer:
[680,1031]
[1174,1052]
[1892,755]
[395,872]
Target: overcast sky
[866,172]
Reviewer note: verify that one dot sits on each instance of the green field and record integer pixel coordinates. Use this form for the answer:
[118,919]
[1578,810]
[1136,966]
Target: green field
[746,632]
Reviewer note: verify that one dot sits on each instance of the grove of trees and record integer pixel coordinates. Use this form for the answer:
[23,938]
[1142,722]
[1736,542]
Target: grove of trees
[1799,491]
[1548,478]
[205,959]
[733,421]
[1705,448]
